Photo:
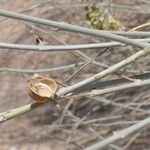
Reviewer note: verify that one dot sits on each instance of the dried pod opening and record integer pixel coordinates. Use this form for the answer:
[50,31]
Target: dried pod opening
[42,90]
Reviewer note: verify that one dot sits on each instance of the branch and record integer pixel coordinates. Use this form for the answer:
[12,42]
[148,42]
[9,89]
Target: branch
[5,69]
[73,28]
[118,88]
[64,47]
[68,27]
[58,47]
[133,33]
[17,112]
[119,135]
[69,89]
[104,73]
[114,82]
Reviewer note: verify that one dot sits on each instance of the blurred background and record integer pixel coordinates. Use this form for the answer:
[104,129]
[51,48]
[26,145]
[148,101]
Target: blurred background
[43,128]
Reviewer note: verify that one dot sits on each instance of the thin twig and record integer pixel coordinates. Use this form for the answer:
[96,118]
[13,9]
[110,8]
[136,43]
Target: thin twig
[113,82]
[118,135]
[88,62]
[65,110]
[101,138]
[64,47]
[131,141]
[104,73]
[140,26]
[137,83]
[13,70]
[104,100]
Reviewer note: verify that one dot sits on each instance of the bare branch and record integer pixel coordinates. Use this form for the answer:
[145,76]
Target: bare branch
[17,112]
[98,84]
[64,47]
[137,83]
[73,28]
[105,73]
[118,135]
[13,70]
[58,47]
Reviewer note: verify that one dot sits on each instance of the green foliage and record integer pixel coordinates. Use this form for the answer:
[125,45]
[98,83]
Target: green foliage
[100,20]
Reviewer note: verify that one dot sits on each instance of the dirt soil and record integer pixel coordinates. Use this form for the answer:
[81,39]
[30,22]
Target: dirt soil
[42,129]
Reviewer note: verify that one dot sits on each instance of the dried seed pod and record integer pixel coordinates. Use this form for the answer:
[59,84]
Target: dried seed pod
[42,90]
